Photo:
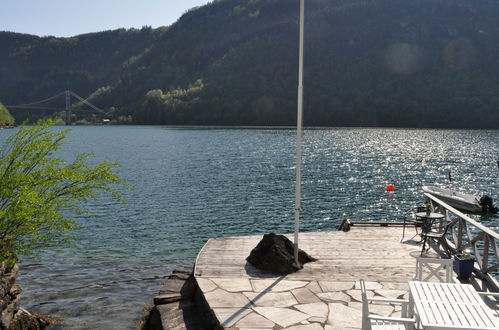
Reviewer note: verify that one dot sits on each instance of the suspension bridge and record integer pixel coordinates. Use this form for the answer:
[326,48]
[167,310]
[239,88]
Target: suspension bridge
[69,108]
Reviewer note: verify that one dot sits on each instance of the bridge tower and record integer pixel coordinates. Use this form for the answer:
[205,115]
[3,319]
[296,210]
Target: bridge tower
[68,107]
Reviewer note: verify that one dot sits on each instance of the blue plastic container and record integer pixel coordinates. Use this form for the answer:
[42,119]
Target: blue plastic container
[463,265]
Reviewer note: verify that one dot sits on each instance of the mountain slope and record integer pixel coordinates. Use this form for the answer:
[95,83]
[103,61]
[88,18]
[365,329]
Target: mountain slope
[33,68]
[367,63]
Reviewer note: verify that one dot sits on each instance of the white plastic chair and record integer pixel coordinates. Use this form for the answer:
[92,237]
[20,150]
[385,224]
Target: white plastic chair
[434,266]
[375,322]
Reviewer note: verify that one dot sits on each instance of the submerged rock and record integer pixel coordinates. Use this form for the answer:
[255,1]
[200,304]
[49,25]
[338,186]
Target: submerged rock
[30,320]
[275,254]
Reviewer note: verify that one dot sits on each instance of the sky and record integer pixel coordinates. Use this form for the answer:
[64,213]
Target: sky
[67,18]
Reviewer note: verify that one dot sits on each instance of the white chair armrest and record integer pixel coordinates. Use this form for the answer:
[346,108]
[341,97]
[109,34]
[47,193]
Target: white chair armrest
[392,319]
[386,300]
[494,294]
[403,302]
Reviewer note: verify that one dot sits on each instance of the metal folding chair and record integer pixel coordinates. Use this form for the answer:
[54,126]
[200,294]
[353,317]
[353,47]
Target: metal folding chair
[436,231]
[414,220]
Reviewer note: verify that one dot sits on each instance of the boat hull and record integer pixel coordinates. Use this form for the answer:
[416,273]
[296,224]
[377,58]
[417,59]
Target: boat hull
[455,199]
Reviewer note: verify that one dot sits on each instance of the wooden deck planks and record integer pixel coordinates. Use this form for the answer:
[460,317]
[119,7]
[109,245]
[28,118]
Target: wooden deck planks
[372,253]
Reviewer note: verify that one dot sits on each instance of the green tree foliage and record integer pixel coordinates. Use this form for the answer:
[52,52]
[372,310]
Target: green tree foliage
[177,105]
[37,190]
[6,118]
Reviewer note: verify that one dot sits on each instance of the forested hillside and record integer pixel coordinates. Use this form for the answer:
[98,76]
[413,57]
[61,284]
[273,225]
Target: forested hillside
[34,68]
[400,63]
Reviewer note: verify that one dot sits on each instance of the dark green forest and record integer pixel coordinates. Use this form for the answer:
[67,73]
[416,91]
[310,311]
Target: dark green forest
[400,63]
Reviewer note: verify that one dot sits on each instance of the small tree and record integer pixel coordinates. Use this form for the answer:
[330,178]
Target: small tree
[6,118]
[36,187]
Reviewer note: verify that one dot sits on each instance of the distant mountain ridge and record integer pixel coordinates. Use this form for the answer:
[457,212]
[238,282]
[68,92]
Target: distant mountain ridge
[404,63]
[34,67]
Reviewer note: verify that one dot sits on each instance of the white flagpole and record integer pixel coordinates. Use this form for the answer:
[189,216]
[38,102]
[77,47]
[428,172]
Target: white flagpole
[299,128]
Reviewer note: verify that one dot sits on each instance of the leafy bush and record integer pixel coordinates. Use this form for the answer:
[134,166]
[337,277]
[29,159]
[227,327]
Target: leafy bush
[36,188]
[6,118]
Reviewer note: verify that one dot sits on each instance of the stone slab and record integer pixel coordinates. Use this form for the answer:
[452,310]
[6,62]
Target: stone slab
[369,285]
[230,316]
[320,309]
[254,320]
[381,309]
[341,316]
[357,294]
[178,315]
[305,296]
[220,298]
[334,297]
[332,286]
[233,284]
[314,287]
[206,285]
[277,285]
[311,326]
[391,294]
[404,286]
[284,317]
[320,320]
[271,299]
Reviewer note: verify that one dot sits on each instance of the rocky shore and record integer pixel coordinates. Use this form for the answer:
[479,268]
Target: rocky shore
[12,316]
[179,305]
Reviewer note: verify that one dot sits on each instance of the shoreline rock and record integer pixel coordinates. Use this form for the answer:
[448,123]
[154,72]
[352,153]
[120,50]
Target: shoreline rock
[24,319]
[179,305]
[12,316]
[9,295]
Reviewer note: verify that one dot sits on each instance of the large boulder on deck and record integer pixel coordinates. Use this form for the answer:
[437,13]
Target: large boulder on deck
[275,254]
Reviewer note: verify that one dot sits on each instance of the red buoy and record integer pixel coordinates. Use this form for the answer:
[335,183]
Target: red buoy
[390,187]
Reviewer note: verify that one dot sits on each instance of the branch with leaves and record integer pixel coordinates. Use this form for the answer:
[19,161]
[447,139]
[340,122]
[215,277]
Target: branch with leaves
[37,189]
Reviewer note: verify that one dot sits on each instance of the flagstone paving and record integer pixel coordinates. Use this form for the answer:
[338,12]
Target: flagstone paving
[323,295]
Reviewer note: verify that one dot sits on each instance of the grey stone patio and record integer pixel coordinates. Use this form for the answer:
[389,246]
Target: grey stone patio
[323,295]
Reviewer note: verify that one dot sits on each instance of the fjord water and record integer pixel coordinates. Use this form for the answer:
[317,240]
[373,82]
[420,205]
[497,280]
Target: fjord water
[191,184]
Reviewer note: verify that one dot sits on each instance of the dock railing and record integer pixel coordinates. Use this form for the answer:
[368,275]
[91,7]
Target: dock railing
[466,234]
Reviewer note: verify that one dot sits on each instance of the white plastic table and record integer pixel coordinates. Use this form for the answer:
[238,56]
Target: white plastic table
[449,306]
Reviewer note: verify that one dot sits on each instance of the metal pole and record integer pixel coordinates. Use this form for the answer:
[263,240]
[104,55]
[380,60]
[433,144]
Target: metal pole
[299,128]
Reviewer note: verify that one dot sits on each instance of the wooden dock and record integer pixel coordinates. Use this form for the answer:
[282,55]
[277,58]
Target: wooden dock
[323,295]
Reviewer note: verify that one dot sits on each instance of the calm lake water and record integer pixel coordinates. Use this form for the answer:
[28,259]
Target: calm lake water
[191,184]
